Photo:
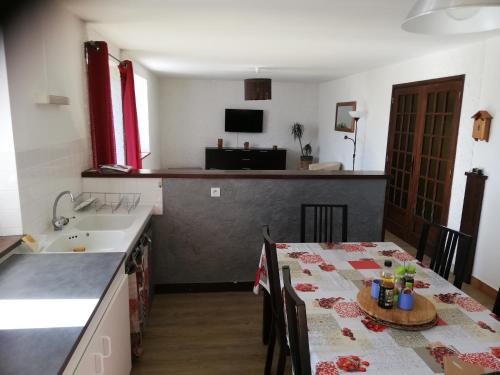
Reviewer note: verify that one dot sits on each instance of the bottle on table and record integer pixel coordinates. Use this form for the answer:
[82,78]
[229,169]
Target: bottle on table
[410,276]
[386,291]
[399,282]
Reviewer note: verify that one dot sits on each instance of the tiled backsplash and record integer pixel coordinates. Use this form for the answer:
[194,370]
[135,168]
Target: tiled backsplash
[149,188]
[45,172]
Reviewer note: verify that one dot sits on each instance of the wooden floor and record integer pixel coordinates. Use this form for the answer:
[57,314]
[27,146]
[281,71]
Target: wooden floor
[204,333]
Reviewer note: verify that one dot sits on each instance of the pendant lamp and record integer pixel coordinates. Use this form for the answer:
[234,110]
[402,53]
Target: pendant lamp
[258,89]
[441,17]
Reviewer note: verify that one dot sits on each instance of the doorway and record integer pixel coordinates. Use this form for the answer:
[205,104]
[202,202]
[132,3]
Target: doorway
[421,147]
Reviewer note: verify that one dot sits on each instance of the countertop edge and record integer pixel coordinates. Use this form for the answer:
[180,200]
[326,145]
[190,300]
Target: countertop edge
[238,174]
[8,243]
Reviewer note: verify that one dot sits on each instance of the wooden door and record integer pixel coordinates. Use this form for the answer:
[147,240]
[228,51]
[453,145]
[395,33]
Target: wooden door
[421,154]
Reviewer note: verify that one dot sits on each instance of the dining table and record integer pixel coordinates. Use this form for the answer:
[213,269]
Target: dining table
[328,278]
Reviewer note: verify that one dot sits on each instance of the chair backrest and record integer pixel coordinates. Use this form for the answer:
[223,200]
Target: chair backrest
[323,222]
[496,308]
[274,282]
[448,243]
[297,327]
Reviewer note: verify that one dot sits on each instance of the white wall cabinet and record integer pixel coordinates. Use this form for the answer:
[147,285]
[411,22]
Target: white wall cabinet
[108,352]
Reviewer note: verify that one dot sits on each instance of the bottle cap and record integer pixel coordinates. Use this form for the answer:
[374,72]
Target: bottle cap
[388,263]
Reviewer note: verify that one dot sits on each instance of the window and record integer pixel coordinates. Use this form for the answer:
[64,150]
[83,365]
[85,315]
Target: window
[141,102]
[141,99]
[116,101]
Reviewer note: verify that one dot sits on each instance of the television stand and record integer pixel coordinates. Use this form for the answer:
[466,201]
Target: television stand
[240,158]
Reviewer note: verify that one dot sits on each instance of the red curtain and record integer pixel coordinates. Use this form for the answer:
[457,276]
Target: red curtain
[100,108]
[130,123]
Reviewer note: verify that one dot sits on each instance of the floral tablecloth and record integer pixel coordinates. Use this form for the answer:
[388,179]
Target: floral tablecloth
[329,276]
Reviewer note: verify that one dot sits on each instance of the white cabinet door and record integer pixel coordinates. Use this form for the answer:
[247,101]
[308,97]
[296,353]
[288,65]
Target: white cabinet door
[108,352]
[115,334]
[92,362]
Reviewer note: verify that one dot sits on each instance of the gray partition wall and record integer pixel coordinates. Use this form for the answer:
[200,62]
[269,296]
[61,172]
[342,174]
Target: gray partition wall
[202,239]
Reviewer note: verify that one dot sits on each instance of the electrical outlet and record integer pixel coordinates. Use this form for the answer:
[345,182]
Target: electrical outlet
[215,192]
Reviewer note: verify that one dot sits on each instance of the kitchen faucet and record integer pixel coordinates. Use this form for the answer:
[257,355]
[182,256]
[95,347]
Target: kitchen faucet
[60,221]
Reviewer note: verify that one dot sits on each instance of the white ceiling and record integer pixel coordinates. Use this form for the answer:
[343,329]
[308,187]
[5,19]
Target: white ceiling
[314,40]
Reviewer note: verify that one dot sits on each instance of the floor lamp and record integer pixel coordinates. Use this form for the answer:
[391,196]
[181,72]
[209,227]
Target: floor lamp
[356,115]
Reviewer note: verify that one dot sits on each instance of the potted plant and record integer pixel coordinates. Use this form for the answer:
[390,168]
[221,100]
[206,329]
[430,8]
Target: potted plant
[306,151]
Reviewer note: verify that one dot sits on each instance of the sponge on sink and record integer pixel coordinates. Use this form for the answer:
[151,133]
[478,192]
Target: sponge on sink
[31,243]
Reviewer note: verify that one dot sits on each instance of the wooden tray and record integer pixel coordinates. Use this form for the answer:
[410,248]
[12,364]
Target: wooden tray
[423,315]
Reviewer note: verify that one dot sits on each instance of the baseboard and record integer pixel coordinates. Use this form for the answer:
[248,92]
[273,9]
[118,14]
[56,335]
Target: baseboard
[485,288]
[242,286]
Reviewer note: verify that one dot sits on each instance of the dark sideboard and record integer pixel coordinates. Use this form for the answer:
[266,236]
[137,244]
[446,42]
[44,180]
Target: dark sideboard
[239,158]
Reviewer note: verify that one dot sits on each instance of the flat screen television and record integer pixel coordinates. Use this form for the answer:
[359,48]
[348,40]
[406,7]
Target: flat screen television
[244,120]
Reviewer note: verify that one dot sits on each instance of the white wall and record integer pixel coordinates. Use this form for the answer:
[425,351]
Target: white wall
[10,210]
[44,52]
[372,90]
[192,118]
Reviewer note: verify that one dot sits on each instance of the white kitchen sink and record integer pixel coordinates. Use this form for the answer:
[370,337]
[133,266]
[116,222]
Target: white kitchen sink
[104,222]
[92,241]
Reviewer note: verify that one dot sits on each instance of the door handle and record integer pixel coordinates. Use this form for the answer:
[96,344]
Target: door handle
[106,341]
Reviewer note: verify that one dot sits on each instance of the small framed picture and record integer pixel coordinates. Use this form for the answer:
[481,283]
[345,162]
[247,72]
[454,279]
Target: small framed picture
[343,121]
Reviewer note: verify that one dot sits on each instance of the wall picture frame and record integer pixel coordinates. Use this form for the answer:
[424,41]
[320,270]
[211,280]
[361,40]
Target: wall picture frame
[343,121]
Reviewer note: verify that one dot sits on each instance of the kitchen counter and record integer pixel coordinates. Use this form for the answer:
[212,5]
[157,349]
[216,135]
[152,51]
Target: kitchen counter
[46,303]
[240,174]
[7,243]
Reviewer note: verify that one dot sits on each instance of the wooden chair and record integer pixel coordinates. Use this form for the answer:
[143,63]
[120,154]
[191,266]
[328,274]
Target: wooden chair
[297,327]
[448,242]
[496,308]
[322,222]
[277,330]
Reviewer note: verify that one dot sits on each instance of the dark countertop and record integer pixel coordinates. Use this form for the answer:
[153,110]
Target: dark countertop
[7,243]
[50,276]
[249,174]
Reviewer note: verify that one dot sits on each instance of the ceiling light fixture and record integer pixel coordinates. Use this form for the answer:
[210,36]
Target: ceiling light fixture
[258,88]
[453,16]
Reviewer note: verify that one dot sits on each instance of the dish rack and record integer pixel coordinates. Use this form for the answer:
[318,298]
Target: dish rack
[99,201]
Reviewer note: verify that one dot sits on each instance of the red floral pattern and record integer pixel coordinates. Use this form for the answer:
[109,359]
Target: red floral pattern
[368,244]
[282,246]
[418,284]
[403,256]
[311,258]
[297,254]
[307,272]
[327,303]
[485,360]
[439,352]
[352,363]
[469,304]
[306,287]
[348,309]
[327,267]
[496,351]
[326,368]
[485,326]
[448,298]
[387,253]
[351,248]
[372,325]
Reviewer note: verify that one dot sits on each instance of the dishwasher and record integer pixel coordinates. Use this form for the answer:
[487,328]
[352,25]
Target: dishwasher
[138,269]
